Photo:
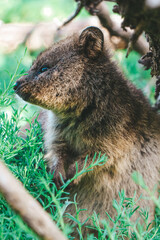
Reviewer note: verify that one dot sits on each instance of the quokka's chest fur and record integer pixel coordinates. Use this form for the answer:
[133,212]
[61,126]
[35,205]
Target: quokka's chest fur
[93,108]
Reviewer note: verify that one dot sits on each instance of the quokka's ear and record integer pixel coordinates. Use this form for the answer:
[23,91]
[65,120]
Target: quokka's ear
[91,42]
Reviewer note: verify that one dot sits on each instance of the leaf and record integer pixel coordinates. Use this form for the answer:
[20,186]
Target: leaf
[138,179]
[72,218]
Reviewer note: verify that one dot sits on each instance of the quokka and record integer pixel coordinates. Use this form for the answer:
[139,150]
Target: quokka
[91,107]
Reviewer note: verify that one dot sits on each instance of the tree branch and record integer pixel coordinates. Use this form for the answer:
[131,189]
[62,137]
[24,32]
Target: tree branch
[139,45]
[75,14]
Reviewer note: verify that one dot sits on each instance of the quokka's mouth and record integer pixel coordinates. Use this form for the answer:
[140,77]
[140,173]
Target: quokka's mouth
[20,90]
[18,85]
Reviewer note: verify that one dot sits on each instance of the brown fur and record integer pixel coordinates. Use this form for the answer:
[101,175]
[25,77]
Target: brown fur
[93,108]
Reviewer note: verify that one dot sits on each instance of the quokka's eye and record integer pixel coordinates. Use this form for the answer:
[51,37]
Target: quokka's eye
[43,69]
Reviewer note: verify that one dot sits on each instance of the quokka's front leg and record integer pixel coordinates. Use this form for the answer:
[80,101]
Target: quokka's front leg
[56,165]
[60,158]
[62,163]
[80,163]
[59,173]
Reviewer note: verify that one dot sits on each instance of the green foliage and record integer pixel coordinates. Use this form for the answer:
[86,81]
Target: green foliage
[21,59]
[135,72]
[24,10]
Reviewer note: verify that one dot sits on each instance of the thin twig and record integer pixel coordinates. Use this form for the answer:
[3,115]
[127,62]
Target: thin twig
[78,9]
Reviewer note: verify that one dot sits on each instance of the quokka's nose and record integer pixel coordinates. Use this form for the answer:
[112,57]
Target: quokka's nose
[16,85]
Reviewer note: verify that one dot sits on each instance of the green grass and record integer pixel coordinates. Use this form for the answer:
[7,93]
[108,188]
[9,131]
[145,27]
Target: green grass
[135,72]
[25,159]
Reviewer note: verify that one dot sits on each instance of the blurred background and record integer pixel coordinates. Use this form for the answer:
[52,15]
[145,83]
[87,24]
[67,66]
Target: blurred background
[29,26]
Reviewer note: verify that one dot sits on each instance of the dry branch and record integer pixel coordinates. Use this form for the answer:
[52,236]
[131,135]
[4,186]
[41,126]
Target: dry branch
[99,8]
[36,36]
[115,29]
[78,9]
[27,207]
[42,35]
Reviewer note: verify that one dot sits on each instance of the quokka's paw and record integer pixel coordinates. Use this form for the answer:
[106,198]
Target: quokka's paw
[71,171]
[59,177]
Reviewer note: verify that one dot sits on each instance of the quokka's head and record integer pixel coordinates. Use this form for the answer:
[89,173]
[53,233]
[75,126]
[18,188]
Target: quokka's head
[65,76]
